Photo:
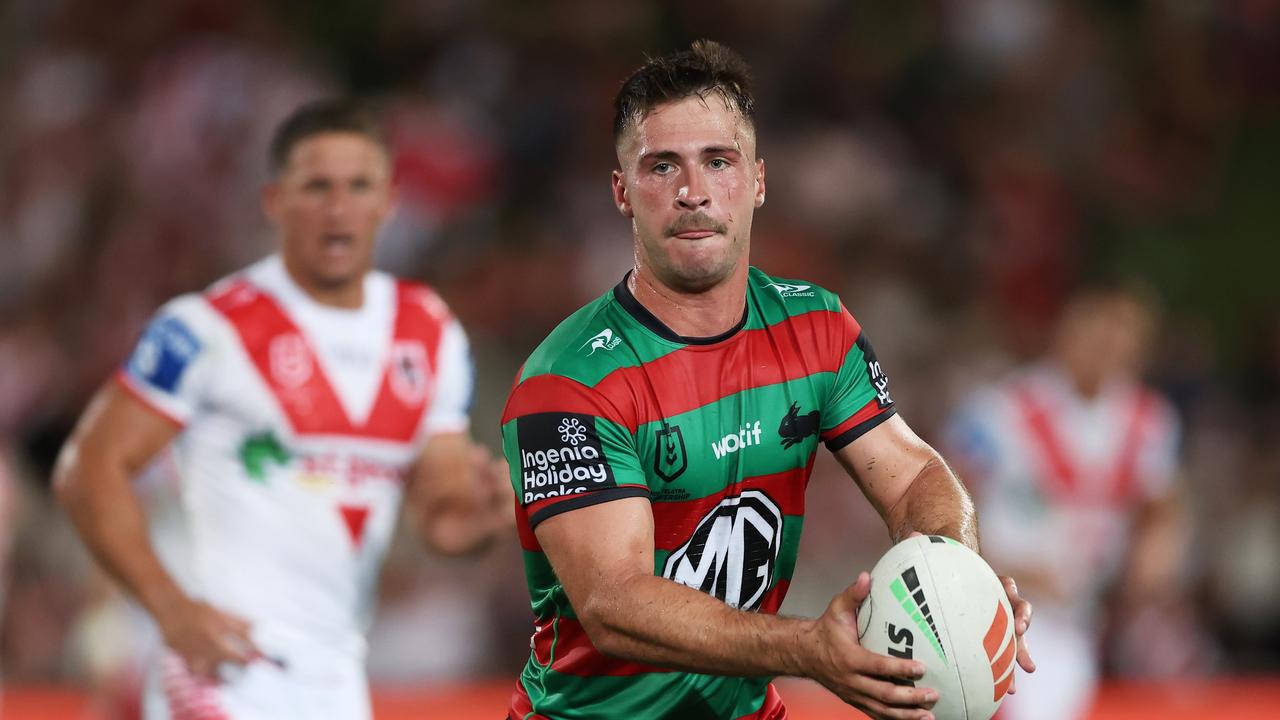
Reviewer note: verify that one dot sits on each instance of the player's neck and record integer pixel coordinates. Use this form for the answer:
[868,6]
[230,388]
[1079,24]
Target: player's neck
[345,296]
[704,314]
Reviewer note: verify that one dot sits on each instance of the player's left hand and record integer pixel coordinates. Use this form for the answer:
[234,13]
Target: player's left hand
[1021,621]
[493,478]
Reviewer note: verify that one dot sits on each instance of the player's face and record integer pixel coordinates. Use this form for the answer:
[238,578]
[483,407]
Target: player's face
[328,203]
[1105,340]
[690,182]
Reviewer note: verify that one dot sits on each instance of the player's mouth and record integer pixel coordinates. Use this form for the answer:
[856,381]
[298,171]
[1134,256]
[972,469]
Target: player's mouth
[337,245]
[695,234]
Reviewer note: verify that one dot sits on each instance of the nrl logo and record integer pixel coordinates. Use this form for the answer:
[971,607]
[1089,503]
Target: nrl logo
[604,340]
[291,364]
[669,460]
[788,290]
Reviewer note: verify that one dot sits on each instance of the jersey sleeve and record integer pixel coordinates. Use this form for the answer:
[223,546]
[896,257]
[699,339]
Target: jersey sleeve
[859,399]
[567,448]
[171,365]
[455,383]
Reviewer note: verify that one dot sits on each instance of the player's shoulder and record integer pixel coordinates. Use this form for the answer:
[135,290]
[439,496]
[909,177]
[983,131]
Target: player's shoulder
[189,314]
[791,296]
[582,345]
[417,294]
[1163,414]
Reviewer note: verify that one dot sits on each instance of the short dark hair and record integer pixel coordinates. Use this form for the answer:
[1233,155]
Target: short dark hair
[319,117]
[706,67]
[1108,288]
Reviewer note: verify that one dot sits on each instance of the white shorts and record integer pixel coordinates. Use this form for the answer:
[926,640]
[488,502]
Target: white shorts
[335,688]
[1066,677]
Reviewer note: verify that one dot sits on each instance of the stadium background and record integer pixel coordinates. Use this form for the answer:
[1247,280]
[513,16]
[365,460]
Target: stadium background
[951,167]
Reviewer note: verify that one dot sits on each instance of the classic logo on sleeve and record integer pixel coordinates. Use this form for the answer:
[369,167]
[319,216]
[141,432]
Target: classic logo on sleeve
[603,340]
[560,454]
[788,290]
[164,353]
[878,379]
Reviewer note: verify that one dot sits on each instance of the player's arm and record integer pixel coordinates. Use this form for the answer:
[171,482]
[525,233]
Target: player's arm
[1159,545]
[914,490]
[115,439]
[909,484]
[458,495]
[630,613]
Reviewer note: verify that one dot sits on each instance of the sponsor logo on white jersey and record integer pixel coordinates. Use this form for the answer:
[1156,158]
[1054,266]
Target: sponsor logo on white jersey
[787,290]
[604,340]
[746,436]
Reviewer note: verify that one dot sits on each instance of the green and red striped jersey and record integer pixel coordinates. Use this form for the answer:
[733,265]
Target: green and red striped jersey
[719,434]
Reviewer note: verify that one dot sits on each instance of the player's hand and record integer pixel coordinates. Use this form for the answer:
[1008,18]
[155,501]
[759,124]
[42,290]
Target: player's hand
[493,479]
[858,676]
[205,638]
[1021,621]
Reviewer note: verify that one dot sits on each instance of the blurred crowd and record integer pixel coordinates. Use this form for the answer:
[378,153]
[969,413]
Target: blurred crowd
[953,168]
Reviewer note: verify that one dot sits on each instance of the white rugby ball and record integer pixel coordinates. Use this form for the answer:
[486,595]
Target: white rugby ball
[936,601]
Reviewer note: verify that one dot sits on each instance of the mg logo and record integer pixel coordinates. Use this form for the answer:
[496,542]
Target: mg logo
[733,553]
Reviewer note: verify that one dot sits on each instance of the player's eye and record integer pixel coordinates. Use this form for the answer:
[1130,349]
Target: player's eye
[315,186]
[662,168]
[718,163]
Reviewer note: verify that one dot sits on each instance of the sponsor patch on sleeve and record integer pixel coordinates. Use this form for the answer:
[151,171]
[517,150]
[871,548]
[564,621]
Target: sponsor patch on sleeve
[879,381]
[560,455]
[164,353]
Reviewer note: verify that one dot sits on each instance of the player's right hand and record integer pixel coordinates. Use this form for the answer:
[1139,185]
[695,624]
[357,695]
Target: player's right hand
[205,638]
[858,676]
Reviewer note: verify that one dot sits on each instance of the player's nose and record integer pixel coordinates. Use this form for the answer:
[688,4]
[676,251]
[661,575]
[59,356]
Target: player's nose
[693,194]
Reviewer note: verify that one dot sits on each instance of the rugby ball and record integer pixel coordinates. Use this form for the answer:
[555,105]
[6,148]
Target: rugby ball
[936,601]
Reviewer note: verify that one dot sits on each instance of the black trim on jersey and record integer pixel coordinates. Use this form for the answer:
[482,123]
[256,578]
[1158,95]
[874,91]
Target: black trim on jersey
[859,430]
[642,315]
[587,500]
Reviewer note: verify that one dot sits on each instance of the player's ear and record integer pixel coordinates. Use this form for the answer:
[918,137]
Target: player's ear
[270,199]
[393,196]
[620,198]
[759,182]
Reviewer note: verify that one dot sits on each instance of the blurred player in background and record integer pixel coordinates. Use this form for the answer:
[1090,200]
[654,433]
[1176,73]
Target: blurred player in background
[305,397]
[1073,462]
[8,515]
[661,439]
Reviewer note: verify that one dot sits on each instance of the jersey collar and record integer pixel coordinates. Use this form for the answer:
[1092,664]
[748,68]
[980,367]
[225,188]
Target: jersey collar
[642,315]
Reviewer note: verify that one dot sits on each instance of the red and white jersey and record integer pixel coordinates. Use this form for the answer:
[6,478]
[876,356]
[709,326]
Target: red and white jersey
[299,424]
[1058,476]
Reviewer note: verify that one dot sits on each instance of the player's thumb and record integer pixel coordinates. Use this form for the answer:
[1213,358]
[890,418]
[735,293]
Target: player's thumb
[238,637]
[235,623]
[846,603]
